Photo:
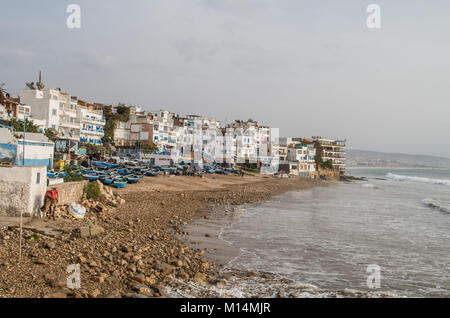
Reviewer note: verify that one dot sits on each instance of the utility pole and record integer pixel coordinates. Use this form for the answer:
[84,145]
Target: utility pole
[24,130]
[139,142]
[21,229]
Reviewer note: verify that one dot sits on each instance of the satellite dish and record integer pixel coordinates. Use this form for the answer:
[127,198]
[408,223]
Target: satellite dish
[30,85]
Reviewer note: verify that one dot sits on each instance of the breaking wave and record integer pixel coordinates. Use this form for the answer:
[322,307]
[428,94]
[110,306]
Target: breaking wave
[397,177]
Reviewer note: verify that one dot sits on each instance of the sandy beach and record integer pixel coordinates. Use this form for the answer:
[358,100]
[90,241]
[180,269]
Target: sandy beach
[163,238]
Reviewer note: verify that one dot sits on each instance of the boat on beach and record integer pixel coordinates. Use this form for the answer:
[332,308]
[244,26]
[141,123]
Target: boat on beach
[120,183]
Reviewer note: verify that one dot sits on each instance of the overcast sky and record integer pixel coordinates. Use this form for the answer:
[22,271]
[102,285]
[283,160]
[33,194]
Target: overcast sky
[306,67]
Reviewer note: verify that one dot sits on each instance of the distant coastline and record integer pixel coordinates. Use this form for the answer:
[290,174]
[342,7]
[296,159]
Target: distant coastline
[373,159]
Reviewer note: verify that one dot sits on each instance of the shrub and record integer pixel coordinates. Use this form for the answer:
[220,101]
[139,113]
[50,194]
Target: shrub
[92,190]
[70,176]
[328,164]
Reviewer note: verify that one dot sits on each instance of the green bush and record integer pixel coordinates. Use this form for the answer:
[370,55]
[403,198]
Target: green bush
[70,176]
[328,164]
[92,190]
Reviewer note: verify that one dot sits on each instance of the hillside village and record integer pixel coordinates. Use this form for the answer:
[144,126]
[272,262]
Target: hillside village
[76,126]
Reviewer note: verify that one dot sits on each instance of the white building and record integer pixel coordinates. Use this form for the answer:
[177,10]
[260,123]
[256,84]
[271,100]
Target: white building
[45,105]
[74,119]
[304,154]
[91,123]
[69,122]
[164,132]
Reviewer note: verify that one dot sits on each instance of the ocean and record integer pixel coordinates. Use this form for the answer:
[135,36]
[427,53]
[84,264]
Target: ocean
[397,222]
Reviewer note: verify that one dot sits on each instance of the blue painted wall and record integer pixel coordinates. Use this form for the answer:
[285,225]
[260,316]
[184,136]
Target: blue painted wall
[8,152]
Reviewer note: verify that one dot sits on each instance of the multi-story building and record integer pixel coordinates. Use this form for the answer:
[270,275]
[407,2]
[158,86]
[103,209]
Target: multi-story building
[8,106]
[69,122]
[122,131]
[45,105]
[163,128]
[91,122]
[303,153]
[333,150]
[137,131]
[71,117]
[254,142]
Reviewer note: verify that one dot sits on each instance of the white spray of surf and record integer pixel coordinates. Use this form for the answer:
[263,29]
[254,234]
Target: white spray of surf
[397,177]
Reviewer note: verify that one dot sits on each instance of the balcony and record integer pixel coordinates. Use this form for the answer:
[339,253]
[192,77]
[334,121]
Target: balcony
[94,120]
[71,124]
[68,109]
[98,132]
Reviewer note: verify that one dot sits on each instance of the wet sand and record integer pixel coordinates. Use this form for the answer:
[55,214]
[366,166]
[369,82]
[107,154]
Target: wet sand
[205,235]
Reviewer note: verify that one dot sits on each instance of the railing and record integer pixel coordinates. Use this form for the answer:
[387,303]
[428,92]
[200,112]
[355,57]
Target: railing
[65,122]
[96,120]
[99,131]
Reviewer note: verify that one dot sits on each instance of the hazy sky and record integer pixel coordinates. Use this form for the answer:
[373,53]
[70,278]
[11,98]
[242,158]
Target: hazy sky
[306,67]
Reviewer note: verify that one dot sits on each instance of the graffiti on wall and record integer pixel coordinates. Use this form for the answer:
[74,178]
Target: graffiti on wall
[8,153]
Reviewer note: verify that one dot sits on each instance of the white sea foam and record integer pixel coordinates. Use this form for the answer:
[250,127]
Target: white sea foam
[397,177]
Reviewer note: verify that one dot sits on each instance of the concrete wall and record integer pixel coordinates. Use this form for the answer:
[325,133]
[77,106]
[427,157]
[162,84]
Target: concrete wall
[69,192]
[33,182]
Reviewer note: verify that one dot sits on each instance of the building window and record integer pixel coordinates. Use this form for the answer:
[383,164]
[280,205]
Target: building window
[38,178]
[54,112]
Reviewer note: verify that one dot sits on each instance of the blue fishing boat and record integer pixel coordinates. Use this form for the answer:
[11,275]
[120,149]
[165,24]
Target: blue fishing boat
[120,183]
[107,181]
[52,174]
[90,177]
[132,178]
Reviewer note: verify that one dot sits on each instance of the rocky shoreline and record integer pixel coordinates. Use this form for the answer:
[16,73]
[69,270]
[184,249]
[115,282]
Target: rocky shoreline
[137,245]
[135,253]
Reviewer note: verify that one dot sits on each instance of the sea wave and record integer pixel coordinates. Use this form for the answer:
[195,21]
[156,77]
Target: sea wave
[434,204]
[397,177]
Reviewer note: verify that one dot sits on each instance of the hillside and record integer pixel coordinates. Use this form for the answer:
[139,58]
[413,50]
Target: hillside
[363,158]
